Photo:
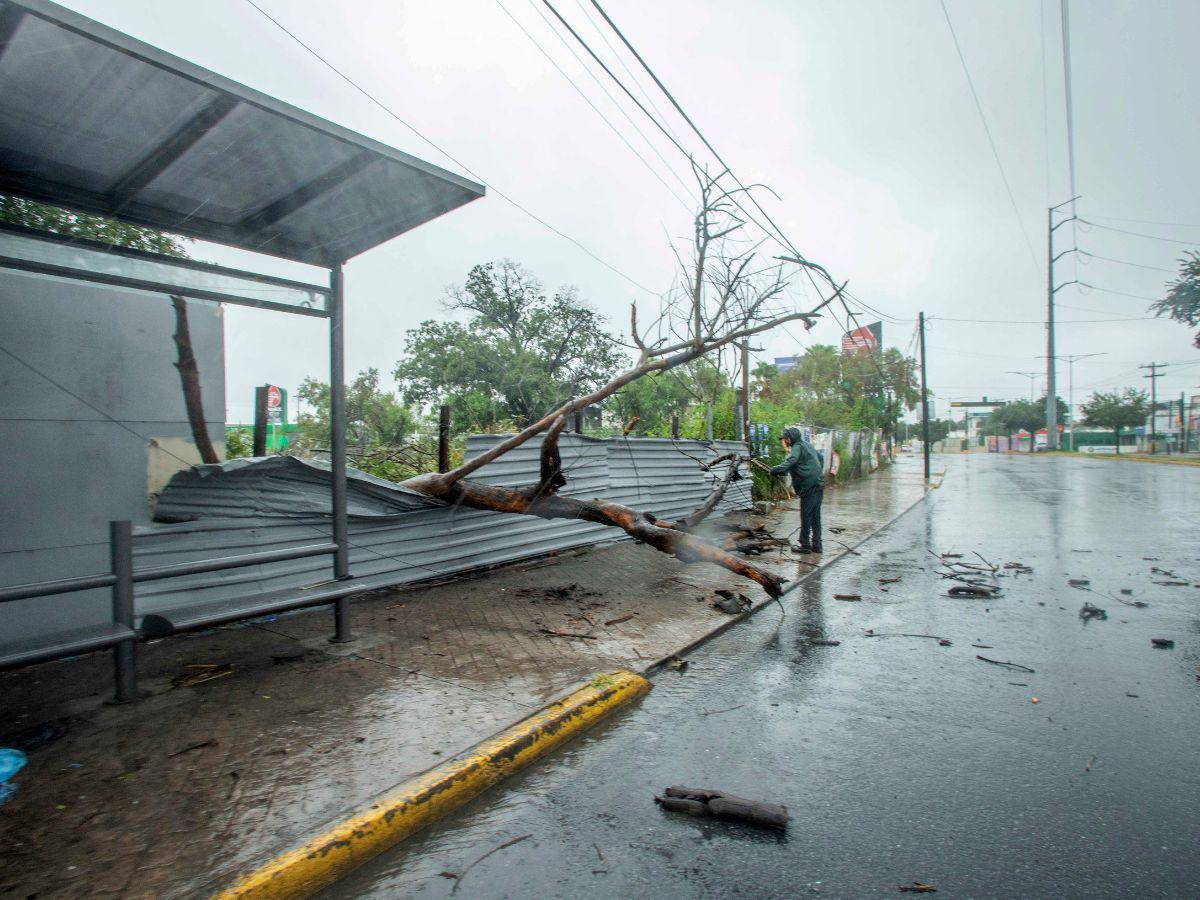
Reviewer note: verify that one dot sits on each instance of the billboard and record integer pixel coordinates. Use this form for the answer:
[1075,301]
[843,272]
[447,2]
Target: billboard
[863,340]
[276,405]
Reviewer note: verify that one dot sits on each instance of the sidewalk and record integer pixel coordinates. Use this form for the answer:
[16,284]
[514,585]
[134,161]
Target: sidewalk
[175,794]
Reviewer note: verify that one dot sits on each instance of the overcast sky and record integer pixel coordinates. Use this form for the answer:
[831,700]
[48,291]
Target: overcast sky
[856,112]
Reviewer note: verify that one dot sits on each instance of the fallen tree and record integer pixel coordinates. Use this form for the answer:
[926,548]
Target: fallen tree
[723,300]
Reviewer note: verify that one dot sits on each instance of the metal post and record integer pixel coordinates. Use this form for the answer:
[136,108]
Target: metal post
[120,537]
[444,438]
[337,467]
[260,421]
[675,426]
[745,423]
[924,395]
[1051,400]
[1071,399]
[739,407]
[1183,426]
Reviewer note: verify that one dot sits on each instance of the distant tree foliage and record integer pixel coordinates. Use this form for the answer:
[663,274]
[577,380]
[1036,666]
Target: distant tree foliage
[1182,302]
[521,352]
[1021,415]
[1116,410]
[374,417]
[18,211]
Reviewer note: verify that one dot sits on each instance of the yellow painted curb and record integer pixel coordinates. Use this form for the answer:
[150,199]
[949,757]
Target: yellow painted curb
[405,809]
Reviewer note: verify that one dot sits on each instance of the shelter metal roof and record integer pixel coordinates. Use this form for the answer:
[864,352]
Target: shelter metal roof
[96,121]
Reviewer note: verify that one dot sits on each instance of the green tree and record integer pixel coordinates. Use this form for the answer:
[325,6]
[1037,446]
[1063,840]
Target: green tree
[520,353]
[1116,410]
[18,211]
[1182,302]
[653,400]
[374,417]
[1022,415]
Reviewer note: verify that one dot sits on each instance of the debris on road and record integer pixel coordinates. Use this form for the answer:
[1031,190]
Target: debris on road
[619,619]
[892,580]
[211,742]
[1164,643]
[942,642]
[714,712]
[1079,582]
[847,596]
[916,887]
[1091,762]
[1009,665]
[701,802]
[568,634]
[201,672]
[732,603]
[972,590]
[458,878]
[677,664]
[824,642]
[1089,611]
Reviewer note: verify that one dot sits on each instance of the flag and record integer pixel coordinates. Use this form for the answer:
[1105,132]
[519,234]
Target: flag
[862,340]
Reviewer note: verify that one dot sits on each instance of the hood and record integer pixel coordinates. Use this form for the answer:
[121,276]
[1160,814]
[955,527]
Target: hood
[794,435]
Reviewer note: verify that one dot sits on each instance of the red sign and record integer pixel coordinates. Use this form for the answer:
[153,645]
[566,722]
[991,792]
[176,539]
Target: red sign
[863,340]
[274,398]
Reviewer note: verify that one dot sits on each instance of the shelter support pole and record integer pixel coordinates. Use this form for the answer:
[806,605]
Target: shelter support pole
[120,537]
[337,420]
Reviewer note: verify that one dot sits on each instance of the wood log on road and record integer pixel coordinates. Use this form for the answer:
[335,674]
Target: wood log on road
[703,802]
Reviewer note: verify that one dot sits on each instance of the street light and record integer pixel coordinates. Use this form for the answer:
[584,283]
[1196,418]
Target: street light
[1070,361]
[1032,376]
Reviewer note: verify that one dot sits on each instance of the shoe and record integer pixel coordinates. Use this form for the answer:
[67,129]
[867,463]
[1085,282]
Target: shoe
[800,548]
[817,550]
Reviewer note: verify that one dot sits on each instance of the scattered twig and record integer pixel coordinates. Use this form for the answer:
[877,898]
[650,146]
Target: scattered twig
[568,634]
[941,640]
[892,580]
[713,712]
[983,646]
[211,742]
[619,619]
[1091,762]
[847,596]
[599,854]
[916,887]
[508,843]
[972,590]
[1010,665]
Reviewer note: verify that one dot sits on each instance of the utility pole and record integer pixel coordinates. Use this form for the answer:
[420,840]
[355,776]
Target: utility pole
[1183,426]
[1069,359]
[1032,376]
[1051,290]
[1153,376]
[924,396]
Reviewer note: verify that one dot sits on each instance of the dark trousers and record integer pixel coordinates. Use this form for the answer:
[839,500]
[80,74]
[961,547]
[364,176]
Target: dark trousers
[810,516]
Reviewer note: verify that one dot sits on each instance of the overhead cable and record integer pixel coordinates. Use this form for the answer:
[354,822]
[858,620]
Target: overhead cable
[506,197]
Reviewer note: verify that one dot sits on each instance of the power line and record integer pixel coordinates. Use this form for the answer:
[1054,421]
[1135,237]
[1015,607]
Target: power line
[346,78]
[1125,262]
[596,109]
[1092,287]
[991,141]
[1149,222]
[1153,237]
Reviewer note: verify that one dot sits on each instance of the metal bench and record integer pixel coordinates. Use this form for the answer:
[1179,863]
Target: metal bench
[124,631]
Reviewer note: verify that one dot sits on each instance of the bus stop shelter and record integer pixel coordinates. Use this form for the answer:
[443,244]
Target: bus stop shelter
[96,122]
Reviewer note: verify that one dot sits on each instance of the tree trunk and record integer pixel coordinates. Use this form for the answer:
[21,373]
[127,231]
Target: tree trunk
[189,376]
[661,535]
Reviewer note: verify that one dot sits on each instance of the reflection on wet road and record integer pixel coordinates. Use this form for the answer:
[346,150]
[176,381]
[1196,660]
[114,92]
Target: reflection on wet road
[900,759]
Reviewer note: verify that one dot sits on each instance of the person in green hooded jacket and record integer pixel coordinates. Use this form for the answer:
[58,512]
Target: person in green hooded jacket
[808,481]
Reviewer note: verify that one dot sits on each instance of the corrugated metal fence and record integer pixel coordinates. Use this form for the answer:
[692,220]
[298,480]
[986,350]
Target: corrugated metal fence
[398,536]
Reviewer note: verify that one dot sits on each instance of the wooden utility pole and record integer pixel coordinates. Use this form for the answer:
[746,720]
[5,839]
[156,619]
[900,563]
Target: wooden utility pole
[444,438]
[924,396]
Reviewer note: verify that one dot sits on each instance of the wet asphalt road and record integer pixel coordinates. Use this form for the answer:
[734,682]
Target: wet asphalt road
[900,760]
